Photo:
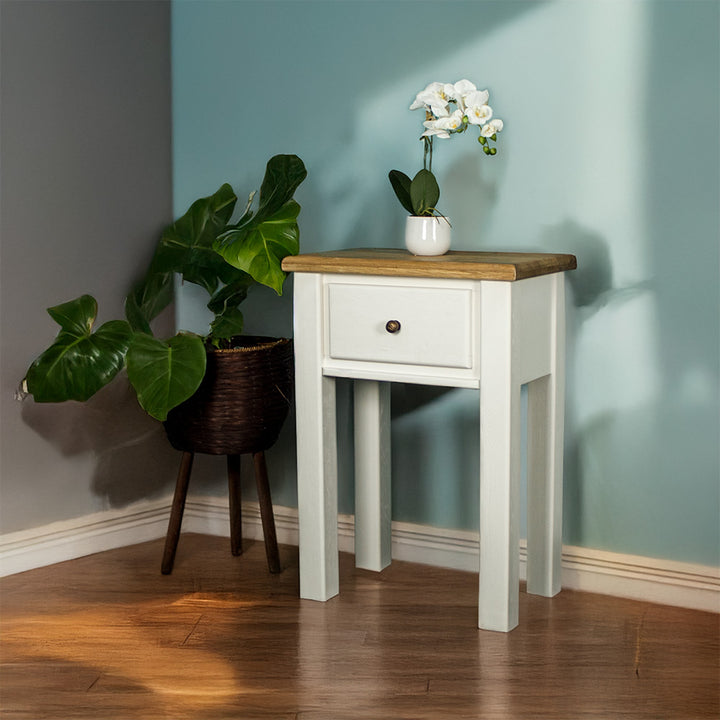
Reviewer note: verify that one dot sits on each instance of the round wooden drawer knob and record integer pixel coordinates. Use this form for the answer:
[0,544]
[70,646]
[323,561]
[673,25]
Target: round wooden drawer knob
[392,326]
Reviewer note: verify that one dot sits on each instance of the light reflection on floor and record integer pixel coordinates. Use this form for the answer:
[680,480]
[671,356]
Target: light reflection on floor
[159,657]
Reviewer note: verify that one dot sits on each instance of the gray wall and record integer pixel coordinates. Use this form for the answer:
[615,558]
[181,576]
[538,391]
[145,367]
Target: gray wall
[86,187]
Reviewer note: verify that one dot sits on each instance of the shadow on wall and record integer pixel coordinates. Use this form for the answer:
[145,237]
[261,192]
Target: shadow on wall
[134,458]
[471,186]
[438,442]
[591,282]
[626,446]
[590,288]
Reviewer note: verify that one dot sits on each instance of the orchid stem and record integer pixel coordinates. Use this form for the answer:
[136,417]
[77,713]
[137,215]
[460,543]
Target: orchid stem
[427,153]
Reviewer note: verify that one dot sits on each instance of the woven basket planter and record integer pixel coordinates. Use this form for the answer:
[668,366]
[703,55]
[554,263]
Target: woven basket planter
[241,403]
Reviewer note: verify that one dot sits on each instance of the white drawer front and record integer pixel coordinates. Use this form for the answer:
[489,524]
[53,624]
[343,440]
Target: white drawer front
[435,325]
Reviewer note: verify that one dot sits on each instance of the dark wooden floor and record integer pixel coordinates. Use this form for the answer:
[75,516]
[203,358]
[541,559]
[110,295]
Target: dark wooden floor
[108,636]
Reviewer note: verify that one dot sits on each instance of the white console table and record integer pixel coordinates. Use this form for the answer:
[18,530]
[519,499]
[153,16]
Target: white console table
[491,321]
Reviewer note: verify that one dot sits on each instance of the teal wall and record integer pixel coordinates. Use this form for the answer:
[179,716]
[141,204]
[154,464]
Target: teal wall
[610,151]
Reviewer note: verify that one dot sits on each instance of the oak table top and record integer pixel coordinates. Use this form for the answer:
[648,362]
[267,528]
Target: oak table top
[507,266]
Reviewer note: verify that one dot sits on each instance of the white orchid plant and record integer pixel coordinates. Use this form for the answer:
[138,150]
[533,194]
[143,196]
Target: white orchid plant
[450,109]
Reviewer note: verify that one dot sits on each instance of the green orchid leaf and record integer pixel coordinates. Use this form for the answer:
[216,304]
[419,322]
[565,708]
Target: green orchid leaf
[79,362]
[424,193]
[401,185]
[186,246]
[165,373]
[148,299]
[260,247]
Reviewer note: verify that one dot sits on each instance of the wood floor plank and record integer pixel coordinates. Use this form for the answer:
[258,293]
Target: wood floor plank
[108,636]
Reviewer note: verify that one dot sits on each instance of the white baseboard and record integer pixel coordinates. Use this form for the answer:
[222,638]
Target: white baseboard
[660,581]
[86,535]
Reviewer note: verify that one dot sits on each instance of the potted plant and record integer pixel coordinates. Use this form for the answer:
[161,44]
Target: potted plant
[450,109]
[221,393]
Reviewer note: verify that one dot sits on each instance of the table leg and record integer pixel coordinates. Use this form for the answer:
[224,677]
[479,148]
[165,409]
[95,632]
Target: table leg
[316,447]
[499,465]
[373,517]
[546,404]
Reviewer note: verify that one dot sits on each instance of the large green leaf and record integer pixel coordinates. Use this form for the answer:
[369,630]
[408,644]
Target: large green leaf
[79,362]
[283,175]
[231,295]
[148,299]
[226,325]
[165,373]
[224,304]
[424,193]
[186,246]
[258,243]
[259,248]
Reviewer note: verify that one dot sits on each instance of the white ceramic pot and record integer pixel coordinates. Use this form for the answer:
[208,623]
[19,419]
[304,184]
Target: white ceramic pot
[427,235]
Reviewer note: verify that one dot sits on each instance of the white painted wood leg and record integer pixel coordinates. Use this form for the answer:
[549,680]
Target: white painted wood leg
[316,448]
[499,465]
[373,518]
[544,519]
[546,404]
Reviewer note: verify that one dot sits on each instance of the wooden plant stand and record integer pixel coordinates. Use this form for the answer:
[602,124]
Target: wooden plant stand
[264,498]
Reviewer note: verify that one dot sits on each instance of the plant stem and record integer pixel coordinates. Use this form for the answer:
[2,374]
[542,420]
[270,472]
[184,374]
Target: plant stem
[427,153]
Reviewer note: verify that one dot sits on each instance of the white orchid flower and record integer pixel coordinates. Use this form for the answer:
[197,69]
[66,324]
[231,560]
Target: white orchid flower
[460,91]
[478,111]
[476,98]
[489,129]
[436,128]
[442,127]
[479,114]
[449,92]
[420,99]
[432,98]
[437,132]
[451,122]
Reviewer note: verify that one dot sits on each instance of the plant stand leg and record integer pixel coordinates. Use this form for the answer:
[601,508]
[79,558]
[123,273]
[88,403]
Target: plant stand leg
[266,512]
[176,514]
[233,469]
